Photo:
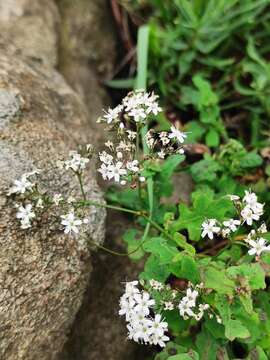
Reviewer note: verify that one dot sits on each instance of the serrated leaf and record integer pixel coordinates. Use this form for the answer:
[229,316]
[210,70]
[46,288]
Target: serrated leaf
[160,247]
[204,207]
[217,280]
[252,273]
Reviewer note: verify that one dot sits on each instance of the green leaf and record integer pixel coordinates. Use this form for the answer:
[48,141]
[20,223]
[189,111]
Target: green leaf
[206,346]
[182,242]
[217,280]
[154,270]
[235,329]
[185,267]
[253,274]
[204,207]
[251,160]
[160,247]
[212,138]
[133,242]
[205,170]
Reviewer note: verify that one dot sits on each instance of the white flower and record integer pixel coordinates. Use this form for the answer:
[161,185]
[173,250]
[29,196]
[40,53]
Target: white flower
[115,171]
[57,198]
[126,307]
[25,214]
[177,134]
[105,157]
[232,224]
[112,114]
[133,165]
[168,305]
[156,285]
[250,198]
[138,114]
[248,215]
[71,223]
[144,302]
[104,170]
[158,326]
[258,246]
[185,308]
[209,228]
[143,332]
[21,186]
[76,163]
[159,340]
[131,289]
[190,297]
[153,108]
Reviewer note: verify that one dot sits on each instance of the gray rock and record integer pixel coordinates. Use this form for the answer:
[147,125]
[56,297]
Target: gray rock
[30,28]
[43,274]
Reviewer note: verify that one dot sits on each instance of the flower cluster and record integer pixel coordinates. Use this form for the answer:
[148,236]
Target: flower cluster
[252,210]
[78,160]
[33,201]
[166,143]
[119,165]
[249,211]
[137,307]
[188,304]
[136,107]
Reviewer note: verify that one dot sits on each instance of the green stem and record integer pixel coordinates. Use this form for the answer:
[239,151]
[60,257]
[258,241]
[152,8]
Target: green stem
[141,83]
[79,176]
[134,212]
[116,252]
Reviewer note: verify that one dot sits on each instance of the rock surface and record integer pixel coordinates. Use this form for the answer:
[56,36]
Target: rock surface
[43,273]
[30,28]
